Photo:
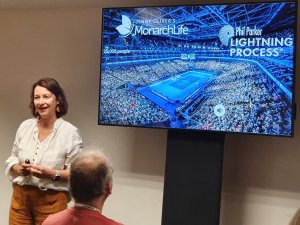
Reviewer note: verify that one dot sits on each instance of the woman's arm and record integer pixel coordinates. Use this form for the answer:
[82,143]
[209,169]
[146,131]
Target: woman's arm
[46,172]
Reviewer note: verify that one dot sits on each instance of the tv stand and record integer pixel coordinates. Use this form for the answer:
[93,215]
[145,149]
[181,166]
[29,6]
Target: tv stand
[193,178]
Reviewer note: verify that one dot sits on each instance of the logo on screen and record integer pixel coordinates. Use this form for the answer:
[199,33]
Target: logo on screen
[126,27]
[225,34]
[245,41]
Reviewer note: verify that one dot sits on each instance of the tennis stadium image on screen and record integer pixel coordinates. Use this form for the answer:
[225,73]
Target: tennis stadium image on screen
[227,67]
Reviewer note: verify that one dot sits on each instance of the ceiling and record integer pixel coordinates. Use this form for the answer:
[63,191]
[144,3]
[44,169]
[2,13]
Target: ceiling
[31,4]
[48,4]
[39,4]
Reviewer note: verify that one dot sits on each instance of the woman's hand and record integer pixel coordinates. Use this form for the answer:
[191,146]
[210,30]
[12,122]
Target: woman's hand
[38,171]
[21,169]
[42,171]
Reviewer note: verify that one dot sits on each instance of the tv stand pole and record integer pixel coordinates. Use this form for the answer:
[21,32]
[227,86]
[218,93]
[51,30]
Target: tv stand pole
[193,178]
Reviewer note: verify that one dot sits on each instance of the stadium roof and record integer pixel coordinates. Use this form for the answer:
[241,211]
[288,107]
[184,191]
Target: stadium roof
[211,18]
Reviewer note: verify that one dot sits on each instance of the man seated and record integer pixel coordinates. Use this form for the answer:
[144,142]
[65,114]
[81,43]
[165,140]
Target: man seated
[90,185]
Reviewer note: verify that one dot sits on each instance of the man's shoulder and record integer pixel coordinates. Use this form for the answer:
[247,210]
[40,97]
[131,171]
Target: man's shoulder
[80,215]
[109,221]
[61,218]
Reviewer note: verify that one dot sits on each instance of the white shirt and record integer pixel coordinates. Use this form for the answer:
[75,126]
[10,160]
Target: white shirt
[55,152]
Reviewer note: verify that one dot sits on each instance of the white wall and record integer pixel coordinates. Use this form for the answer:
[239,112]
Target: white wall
[261,184]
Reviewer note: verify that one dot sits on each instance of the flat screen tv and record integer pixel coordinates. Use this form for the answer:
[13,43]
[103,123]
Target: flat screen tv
[218,67]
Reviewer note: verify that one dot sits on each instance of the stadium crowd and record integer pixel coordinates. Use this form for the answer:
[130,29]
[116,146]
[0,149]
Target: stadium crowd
[251,101]
[242,87]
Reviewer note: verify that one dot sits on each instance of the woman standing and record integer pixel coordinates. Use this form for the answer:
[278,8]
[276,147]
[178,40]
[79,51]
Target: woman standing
[39,163]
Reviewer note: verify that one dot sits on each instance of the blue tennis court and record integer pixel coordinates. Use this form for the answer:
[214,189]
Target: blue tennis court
[181,86]
[174,91]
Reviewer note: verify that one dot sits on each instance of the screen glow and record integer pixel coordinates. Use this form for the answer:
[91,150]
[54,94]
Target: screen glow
[226,67]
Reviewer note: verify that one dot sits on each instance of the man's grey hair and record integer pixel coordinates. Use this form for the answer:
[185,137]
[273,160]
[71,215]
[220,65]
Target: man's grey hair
[91,171]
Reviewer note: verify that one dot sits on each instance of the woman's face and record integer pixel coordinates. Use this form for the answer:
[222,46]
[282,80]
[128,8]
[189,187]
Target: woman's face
[45,102]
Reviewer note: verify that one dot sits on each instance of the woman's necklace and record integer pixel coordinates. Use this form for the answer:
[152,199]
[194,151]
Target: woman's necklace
[87,207]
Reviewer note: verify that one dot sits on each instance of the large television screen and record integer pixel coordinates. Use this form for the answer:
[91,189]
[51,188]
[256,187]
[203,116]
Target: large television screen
[219,67]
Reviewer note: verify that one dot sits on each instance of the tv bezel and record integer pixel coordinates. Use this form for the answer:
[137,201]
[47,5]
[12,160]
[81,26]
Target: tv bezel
[293,87]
